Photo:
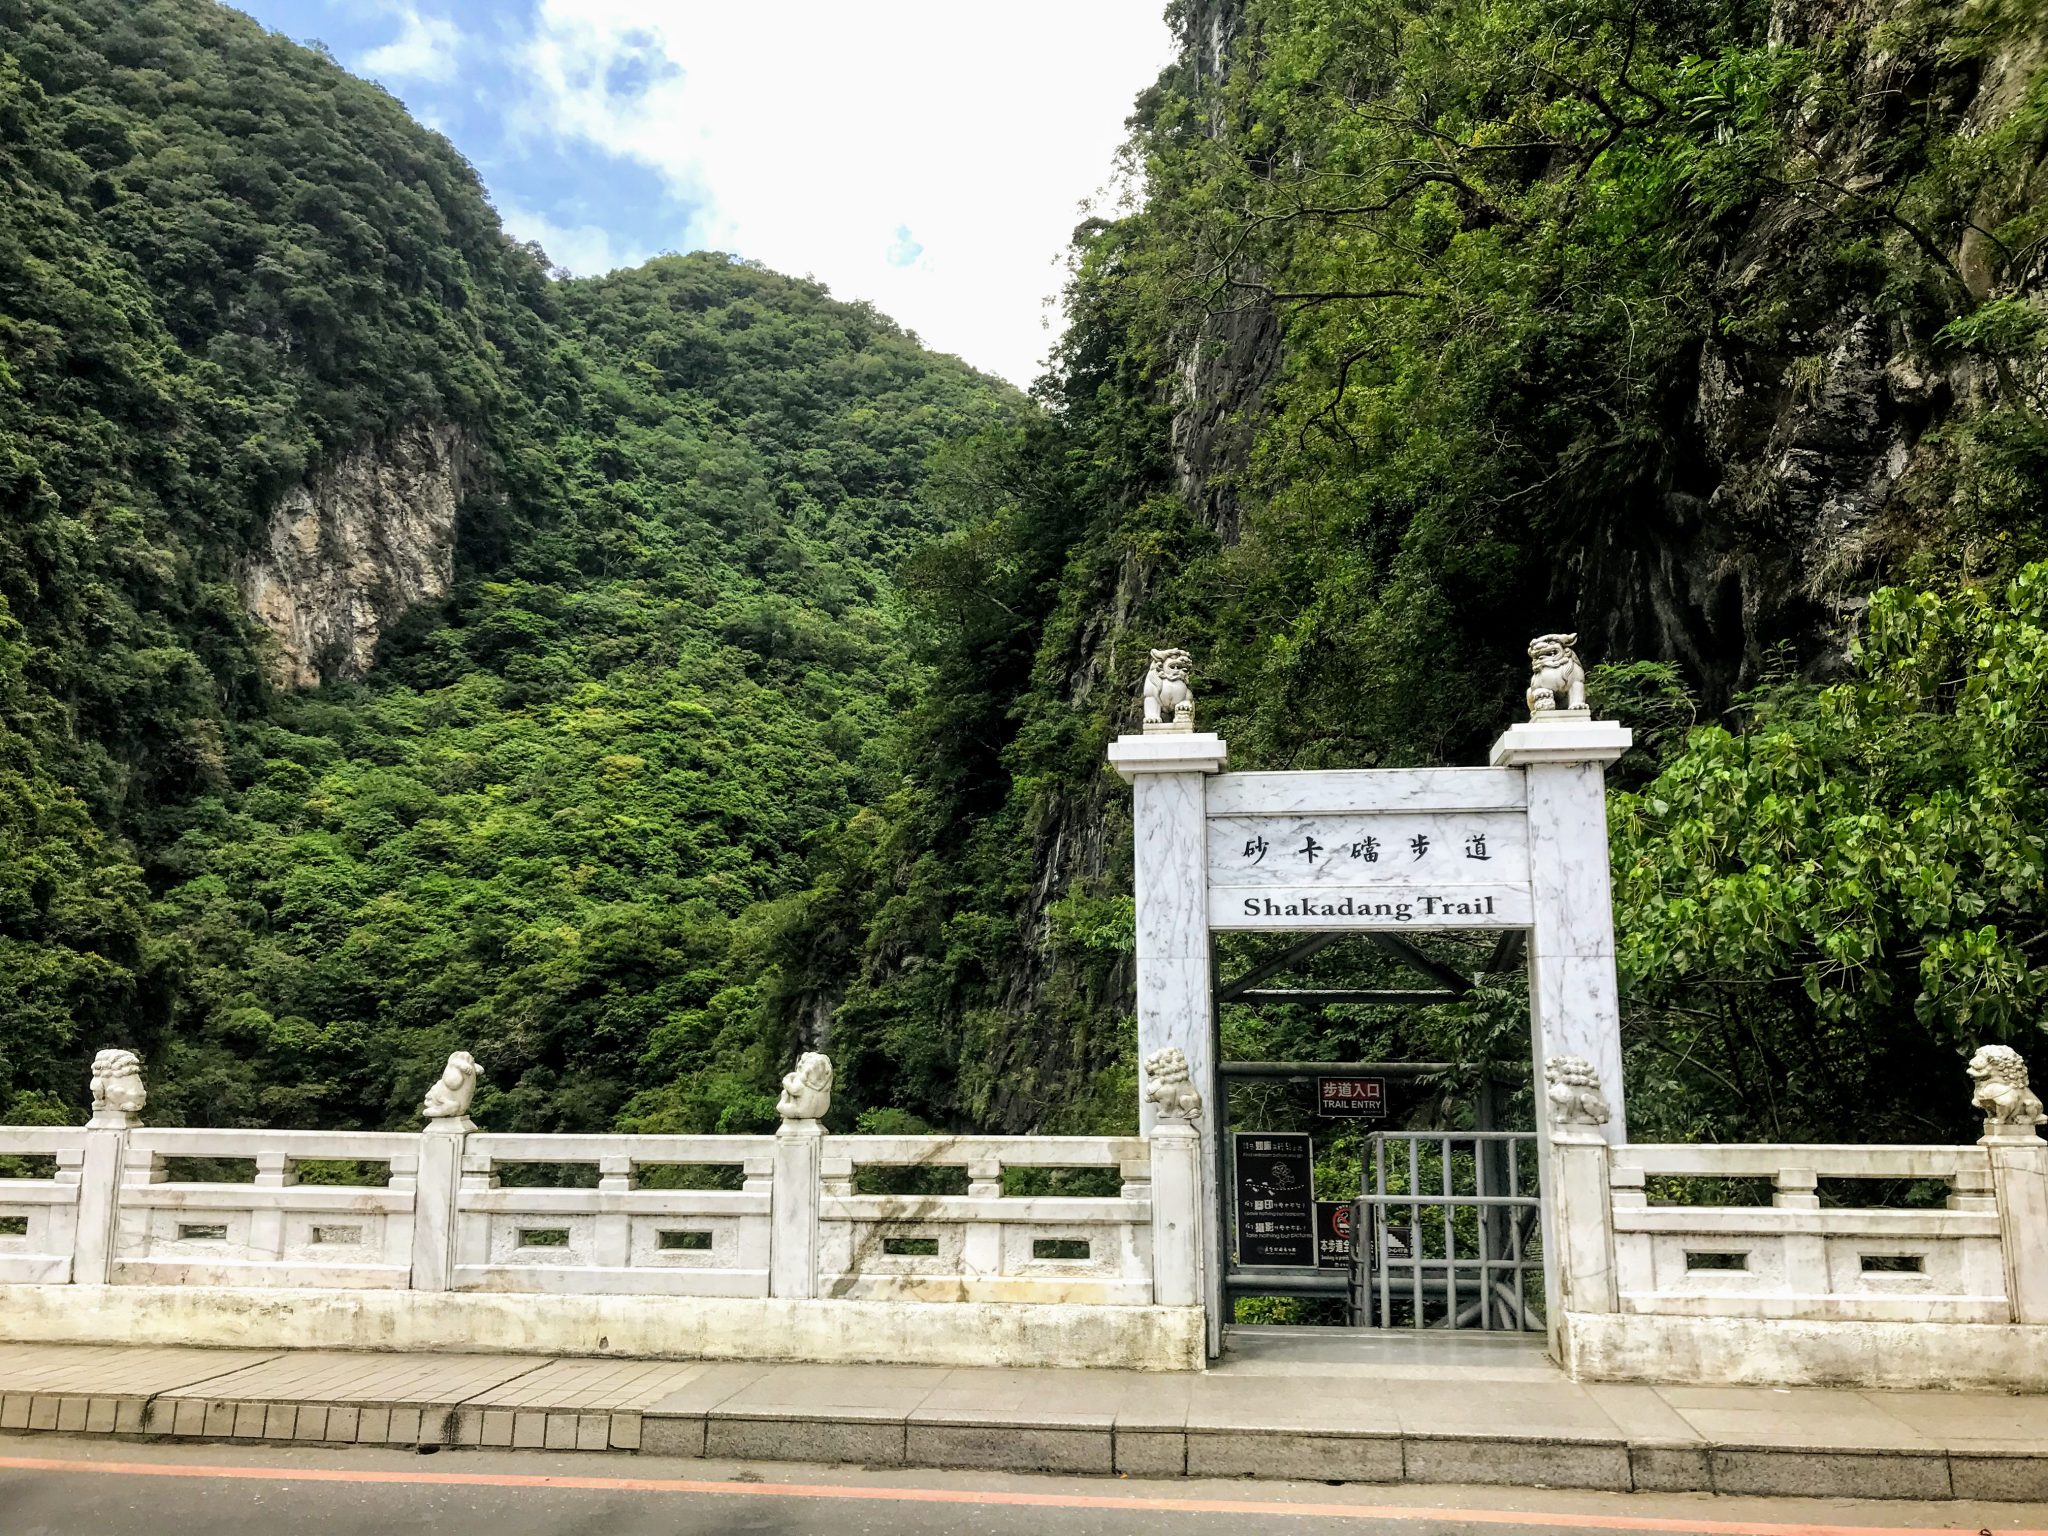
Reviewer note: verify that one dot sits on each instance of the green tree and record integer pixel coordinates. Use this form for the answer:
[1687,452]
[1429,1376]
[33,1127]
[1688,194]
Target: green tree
[1823,913]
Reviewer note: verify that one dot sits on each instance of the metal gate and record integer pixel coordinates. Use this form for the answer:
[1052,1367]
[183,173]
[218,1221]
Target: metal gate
[1444,1235]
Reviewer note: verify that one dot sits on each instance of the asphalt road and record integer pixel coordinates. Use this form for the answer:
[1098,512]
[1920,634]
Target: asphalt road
[51,1486]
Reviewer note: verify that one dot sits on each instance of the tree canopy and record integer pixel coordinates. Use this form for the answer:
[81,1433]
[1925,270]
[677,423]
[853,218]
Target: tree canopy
[769,704]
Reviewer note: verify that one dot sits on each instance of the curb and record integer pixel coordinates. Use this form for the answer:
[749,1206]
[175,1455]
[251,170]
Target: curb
[1085,1447]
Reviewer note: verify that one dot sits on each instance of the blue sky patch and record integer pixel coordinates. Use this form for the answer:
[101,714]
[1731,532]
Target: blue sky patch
[903,250]
[859,144]
[456,64]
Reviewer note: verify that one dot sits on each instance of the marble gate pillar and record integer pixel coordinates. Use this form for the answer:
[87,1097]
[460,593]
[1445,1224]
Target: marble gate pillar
[1574,997]
[1176,1000]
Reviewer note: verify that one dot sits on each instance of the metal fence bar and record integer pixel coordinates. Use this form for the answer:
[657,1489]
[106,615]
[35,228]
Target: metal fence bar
[1415,1221]
[1521,1202]
[1516,1236]
[1480,1158]
[1377,1227]
[1450,1232]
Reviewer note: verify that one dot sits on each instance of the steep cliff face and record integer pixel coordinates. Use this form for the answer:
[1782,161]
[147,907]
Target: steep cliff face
[1818,436]
[347,553]
[1229,359]
[1825,445]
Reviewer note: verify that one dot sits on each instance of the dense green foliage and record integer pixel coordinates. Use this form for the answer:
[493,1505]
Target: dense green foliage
[771,701]
[554,822]
[220,258]
[1515,267]
[1820,914]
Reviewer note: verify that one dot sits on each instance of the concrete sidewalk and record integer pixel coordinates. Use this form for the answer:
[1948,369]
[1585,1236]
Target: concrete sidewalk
[1283,1404]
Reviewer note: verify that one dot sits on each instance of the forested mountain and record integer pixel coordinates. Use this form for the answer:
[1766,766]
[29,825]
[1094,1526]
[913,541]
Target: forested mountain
[722,673]
[235,283]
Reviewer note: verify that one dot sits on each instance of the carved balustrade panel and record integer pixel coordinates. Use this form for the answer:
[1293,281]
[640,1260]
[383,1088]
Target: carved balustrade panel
[1011,1224]
[266,1208]
[624,1215]
[38,1202]
[1817,1251]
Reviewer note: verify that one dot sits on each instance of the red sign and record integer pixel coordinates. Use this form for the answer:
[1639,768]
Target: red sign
[1351,1098]
[1333,1234]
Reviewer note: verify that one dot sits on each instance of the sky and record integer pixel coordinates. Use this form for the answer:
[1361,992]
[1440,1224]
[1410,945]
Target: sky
[929,156]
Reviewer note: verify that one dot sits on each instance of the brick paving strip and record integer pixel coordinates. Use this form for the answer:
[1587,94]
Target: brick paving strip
[1511,1424]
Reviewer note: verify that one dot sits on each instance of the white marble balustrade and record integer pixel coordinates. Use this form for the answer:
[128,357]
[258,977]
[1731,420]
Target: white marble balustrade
[271,1230]
[618,1229]
[39,1216]
[619,1238]
[984,1245]
[1798,1259]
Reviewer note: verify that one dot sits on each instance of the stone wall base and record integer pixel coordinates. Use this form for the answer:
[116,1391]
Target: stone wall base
[1745,1351]
[1130,1338]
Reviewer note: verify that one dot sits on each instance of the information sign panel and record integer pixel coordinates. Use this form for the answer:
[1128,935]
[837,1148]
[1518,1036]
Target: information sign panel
[1275,1175]
[1351,1098]
[1395,1245]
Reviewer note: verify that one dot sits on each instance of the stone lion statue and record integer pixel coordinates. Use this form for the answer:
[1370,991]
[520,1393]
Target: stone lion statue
[1556,680]
[1574,1092]
[449,1097]
[2002,1091]
[1169,1087]
[1168,703]
[807,1091]
[117,1091]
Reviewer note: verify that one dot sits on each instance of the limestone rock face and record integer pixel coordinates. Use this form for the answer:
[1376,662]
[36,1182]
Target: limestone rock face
[1821,453]
[351,550]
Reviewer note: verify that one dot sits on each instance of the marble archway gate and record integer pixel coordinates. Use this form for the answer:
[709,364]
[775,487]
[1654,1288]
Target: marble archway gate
[1520,844]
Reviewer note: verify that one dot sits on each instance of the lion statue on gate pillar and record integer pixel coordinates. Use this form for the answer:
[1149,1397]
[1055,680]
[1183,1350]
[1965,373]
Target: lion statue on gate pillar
[1170,1087]
[1573,1092]
[1169,705]
[2010,1106]
[1557,681]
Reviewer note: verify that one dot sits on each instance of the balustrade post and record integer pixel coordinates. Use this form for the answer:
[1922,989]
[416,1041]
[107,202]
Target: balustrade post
[118,1097]
[796,1190]
[981,1246]
[793,1200]
[1177,1211]
[612,1230]
[1580,1261]
[99,1203]
[1584,1220]
[1805,1254]
[274,1170]
[434,1204]
[438,1196]
[2019,1175]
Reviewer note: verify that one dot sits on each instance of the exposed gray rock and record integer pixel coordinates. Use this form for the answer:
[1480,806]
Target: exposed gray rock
[351,550]
[1818,453]
[1225,374]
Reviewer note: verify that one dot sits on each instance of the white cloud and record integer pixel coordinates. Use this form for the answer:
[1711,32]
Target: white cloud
[423,50]
[815,135]
[584,249]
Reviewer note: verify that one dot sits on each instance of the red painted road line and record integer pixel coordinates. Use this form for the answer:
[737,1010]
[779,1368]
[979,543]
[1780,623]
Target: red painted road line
[1013,1499]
